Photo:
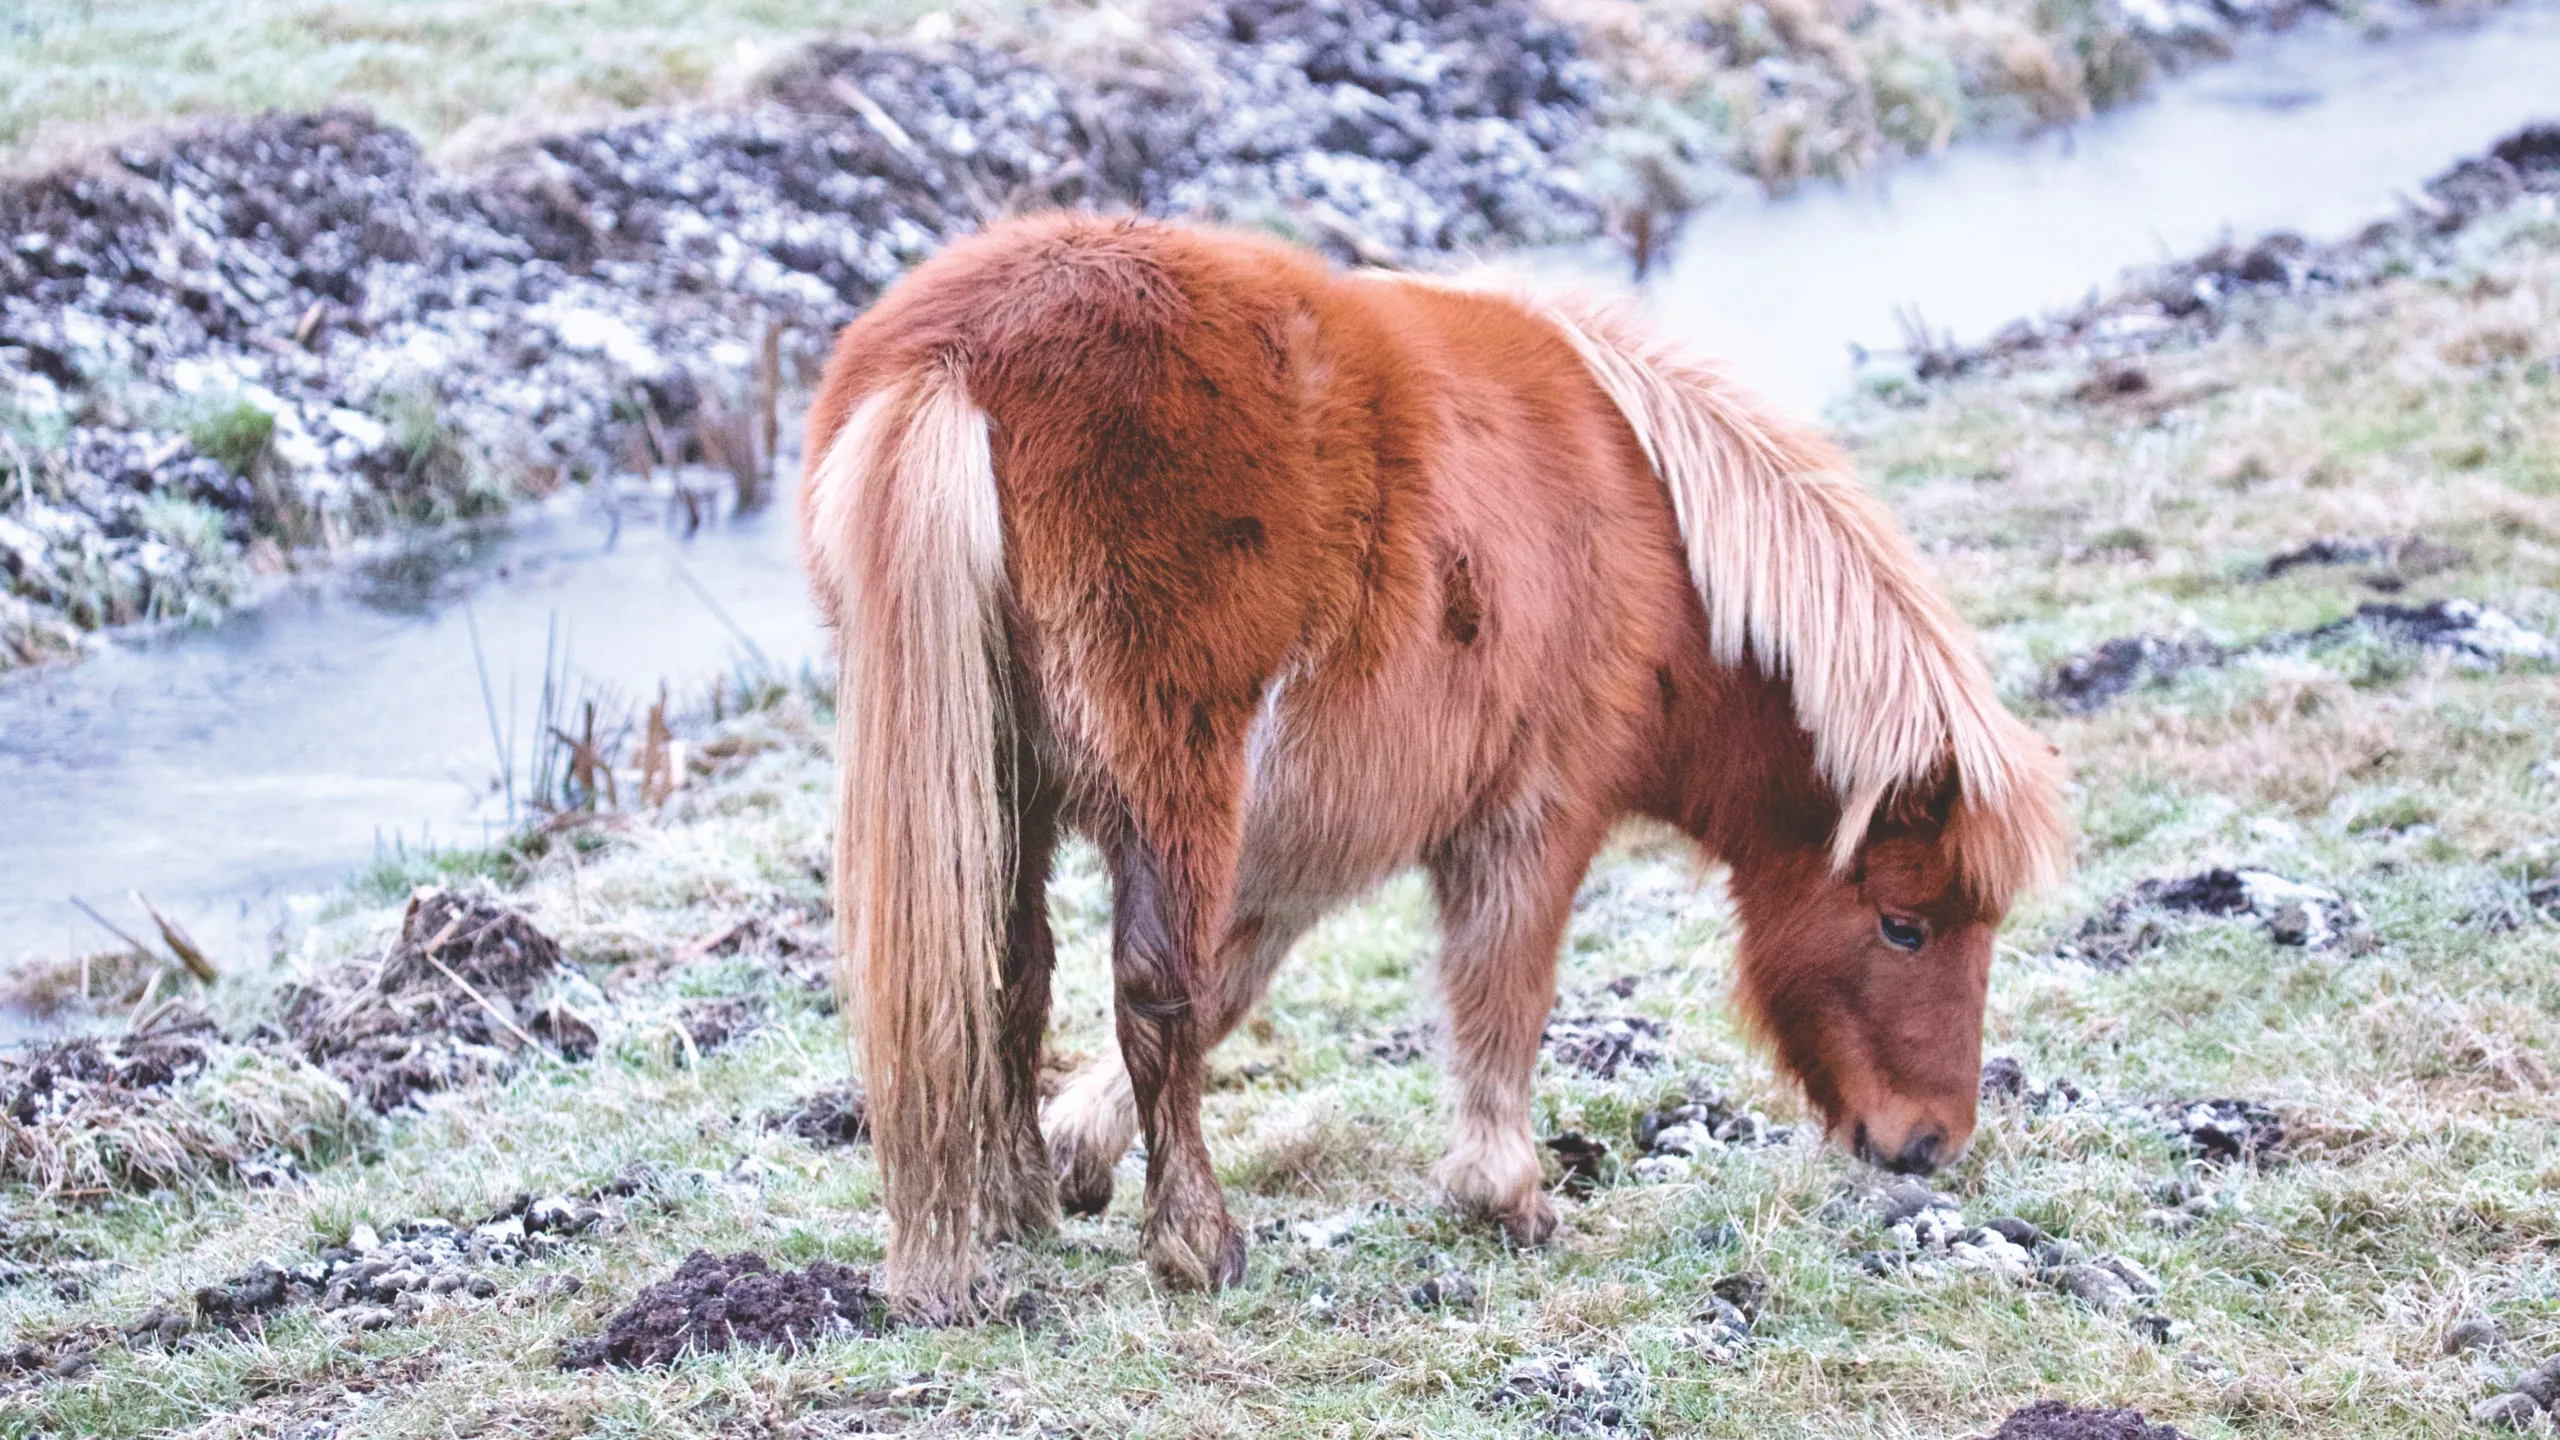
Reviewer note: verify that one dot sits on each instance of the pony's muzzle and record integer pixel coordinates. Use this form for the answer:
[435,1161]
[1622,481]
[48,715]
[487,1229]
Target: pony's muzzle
[1922,1151]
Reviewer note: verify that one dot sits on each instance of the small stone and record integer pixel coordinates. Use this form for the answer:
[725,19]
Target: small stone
[2542,1383]
[480,1287]
[368,1317]
[2141,1281]
[393,1282]
[1724,1320]
[362,1240]
[71,1364]
[1744,1290]
[2514,1410]
[1663,1169]
[2095,1286]
[2298,923]
[1443,1292]
[1907,1199]
[2025,1234]
[2472,1332]
[446,1282]
[1684,1139]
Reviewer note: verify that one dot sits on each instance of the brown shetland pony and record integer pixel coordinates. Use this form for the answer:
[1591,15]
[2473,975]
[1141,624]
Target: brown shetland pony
[1273,581]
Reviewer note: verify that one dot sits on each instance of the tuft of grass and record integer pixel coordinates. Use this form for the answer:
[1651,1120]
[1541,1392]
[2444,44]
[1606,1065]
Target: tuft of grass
[236,436]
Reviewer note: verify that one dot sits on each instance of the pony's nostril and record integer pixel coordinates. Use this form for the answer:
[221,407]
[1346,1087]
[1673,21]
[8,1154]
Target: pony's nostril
[1920,1153]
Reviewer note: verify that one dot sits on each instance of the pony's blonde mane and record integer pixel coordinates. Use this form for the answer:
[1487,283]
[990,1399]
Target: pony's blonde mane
[1805,572]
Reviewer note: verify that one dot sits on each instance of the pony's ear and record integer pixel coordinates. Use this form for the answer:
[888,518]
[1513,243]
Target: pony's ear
[1923,811]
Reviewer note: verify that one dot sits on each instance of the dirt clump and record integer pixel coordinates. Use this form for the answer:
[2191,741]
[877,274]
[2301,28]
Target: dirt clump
[1574,1394]
[1700,1121]
[1602,1045]
[2142,919]
[714,1302]
[2398,559]
[449,1003]
[2090,682]
[1585,1162]
[168,1102]
[2058,1420]
[2225,1130]
[833,1117]
[722,1021]
[2473,634]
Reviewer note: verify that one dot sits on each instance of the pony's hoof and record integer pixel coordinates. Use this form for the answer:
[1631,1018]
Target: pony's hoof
[1531,1225]
[1180,1264]
[1084,1184]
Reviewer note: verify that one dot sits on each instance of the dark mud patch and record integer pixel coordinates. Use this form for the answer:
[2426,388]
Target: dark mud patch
[450,1003]
[2472,633]
[716,1302]
[1600,1046]
[2397,560]
[835,1117]
[1571,1394]
[2144,918]
[159,1106]
[717,1023]
[1585,1163]
[2090,682]
[1699,1121]
[2058,1420]
[1406,1045]
[2226,1131]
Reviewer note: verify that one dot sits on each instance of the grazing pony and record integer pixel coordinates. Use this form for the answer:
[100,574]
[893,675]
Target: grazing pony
[1273,580]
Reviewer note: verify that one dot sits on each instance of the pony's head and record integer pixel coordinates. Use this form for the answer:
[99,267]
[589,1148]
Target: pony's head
[1867,979]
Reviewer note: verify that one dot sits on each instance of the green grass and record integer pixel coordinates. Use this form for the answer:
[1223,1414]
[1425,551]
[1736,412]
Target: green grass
[2424,1182]
[71,70]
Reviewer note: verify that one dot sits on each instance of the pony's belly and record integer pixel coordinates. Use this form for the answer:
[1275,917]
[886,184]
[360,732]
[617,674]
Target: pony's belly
[1339,798]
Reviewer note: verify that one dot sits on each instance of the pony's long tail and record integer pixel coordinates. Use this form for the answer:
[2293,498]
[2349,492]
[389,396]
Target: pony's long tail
[1806,573]
[906,545]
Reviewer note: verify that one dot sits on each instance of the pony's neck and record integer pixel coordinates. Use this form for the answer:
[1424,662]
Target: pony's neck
[1733,768]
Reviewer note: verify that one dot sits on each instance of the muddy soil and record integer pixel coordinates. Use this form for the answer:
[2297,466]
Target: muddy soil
[714,1302]
[2471,634]
[2090,682]
[2057,1420]
[101,1113]
[1573,1394]
[1602,1045]
[2142,919]
[831,1118]
[2227,1131]
[451,1002]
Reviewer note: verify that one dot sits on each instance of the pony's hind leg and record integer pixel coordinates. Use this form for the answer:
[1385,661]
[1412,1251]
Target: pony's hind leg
[1095,1116]
[1168,904]
[1017,1193]
[1506,891]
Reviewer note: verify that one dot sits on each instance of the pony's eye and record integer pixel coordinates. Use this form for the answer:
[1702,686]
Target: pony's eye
[1900,933]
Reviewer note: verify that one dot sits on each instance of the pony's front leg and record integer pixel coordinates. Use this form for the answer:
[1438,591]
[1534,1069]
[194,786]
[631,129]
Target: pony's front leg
[1166,902]
[1506,891]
